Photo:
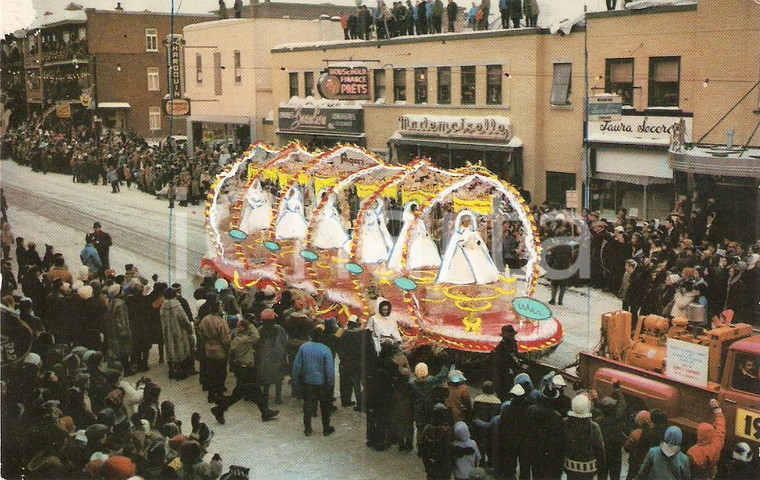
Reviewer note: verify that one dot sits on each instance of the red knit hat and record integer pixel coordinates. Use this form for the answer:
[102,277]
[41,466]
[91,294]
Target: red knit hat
[119,468]
[268,315]
[176,442]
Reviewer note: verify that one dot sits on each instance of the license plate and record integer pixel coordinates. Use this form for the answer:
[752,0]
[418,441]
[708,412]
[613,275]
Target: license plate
[748,424]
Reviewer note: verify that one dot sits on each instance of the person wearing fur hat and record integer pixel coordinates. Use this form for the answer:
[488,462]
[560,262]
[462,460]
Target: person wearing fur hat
[273,354]
[666,461]
[214,335]
[176,330]
[584,446]
[704,456]
[117,329]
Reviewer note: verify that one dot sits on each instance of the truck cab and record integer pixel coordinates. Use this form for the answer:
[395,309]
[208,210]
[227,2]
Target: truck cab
[740,390]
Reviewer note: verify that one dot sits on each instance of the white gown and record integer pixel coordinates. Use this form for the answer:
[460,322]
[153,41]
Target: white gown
[291,223]
[257,209]
[328,229]
[467,260]
[375,238]
[422,250]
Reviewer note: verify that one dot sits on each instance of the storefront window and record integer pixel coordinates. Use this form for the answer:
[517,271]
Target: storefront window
[420,85]
[444,85]
[664,78]
[308,83]
[468,85]
[293,76]
[493,85]
[379,84]
[619,78]
[399,85]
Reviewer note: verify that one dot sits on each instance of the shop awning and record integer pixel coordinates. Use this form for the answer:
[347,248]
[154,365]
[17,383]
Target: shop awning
[114,105]
[302,133]
[632,179]
[400,139]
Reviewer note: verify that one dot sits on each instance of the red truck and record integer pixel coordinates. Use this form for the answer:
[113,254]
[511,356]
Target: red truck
[639,366]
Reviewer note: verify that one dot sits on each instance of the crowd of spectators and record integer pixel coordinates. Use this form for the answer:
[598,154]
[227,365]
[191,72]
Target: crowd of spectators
[424,17]
[163,170]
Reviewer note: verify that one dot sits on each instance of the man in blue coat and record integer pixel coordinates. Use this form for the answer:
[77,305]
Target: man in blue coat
[314,370]
[90,257]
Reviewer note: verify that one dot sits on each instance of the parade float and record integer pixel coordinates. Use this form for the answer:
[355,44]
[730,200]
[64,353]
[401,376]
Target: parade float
[317,223]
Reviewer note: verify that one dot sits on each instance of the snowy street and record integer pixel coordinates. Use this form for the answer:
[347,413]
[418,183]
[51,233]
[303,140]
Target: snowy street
[52,209]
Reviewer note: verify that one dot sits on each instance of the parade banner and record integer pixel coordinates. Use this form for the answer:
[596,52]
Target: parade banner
[477,205]
[687,362]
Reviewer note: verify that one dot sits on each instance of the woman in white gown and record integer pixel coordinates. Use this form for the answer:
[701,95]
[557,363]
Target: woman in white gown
[422,250]
[467,259]
[328,230]
[291,223]
[257,209]
[374,236]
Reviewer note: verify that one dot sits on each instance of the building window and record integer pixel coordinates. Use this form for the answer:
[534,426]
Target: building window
[154,118]
[153,79]
[379,84]
[561,83]
[444,85]
[468,85]
[618,78]
[217,73]
[151,40]
[493,84]
[293,76]
[198,68]
[238,71]
[664,78]
[308,84]
[399,85]
[420,85]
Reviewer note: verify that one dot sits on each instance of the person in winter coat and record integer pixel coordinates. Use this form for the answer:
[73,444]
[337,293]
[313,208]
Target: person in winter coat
[512,444]
[744,464]
[505,361]
[118,331]
[314,371]
[6,240]
[666,461]
[636,448]
[464,464]
[176,330]
[90,257]
[612,424]
[530,9]
[402,413]
[485,407]
[243,365]
[544,445]
[437,16]
[434,445]
[451,13]
[357,356]
[422,385]
[635,281]
[215,337]
[584,445]
[273,354]
[458,400]
[379,399]
[704,456]
[532,395]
